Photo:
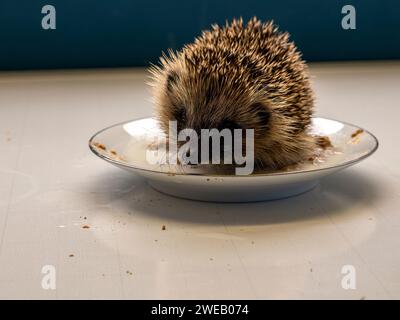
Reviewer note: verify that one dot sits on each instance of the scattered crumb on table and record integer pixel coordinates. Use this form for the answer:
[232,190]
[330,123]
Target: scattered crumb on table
[129,272]
[163,227]
[71,255]
[86,226]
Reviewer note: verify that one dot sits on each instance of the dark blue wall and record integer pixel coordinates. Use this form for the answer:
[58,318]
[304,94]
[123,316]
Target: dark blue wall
[100,33]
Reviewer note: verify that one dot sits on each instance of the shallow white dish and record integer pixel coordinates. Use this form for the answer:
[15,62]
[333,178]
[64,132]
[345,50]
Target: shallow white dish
[124,145]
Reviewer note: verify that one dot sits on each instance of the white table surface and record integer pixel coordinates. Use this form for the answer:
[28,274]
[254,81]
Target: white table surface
[292,248]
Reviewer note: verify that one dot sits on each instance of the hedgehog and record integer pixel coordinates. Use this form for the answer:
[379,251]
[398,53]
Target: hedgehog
[240,76]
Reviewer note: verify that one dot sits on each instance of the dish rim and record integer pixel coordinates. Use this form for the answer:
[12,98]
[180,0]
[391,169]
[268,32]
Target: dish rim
[124,164]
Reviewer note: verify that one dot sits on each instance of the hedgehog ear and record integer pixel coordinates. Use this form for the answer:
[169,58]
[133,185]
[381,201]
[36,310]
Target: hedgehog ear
[172,77]
[262,113]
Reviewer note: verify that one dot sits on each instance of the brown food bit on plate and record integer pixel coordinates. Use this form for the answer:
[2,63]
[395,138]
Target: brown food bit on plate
[324,142]
[356,133]
[99,145]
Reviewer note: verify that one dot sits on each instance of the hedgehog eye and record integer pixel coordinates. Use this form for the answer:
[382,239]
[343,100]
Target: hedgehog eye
[171,80]
[262,113]
[180,117]
[229,124]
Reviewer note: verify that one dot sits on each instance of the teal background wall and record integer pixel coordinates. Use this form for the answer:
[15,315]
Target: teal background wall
[116,33]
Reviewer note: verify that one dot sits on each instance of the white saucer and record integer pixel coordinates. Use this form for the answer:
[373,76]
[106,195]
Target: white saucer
[124,145]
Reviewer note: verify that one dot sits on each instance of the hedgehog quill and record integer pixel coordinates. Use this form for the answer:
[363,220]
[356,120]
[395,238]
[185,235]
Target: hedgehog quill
[240,76]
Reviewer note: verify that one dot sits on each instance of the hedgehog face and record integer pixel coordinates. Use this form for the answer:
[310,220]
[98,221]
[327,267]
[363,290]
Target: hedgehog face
[206,102]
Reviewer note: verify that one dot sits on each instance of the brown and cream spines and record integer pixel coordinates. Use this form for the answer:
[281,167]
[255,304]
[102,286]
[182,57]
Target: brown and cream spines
[247,76]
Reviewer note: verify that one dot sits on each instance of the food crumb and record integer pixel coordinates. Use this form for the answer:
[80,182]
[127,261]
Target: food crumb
[85,227]
[163,227]
[129,272]
[113,152]
[99,145]
[324,142]
[71,255]
[356,133]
